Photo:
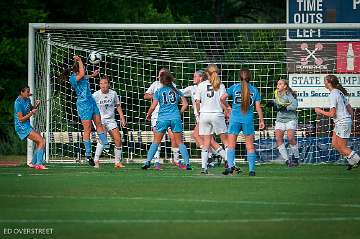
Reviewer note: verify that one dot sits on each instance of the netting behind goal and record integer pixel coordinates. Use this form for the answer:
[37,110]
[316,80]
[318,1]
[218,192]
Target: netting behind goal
[132,57]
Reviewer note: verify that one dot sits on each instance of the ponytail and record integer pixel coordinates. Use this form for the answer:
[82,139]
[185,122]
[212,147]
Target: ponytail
[212,75]
[335,83]
[245,77]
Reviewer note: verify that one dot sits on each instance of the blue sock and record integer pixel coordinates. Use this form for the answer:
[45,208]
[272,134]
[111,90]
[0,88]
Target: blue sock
[34,158]
[40,156]
[103,139]
[184,153]
[87,144]
[231,157]
[251,157]
[152,151]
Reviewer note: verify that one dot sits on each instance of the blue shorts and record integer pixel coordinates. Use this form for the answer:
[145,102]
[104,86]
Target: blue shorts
[23,130]
[175,125]
[236,127]
[87,109]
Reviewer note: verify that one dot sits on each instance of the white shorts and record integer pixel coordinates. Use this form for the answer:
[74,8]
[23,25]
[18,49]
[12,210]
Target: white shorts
[212,123]
[343,129]
[286,126]
[153,122]
[109,124]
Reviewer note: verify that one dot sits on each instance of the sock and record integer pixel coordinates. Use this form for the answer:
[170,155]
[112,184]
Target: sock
[175,152]
[231,157]
[204,158]
[98,151]
[157,154]
[251,157]
[87,144]
[222,152]
[34,158]
[295,150]
[118,151]
[152,150]
[103,139]
[353,158]
[185,154]
[283,152]
[40,156]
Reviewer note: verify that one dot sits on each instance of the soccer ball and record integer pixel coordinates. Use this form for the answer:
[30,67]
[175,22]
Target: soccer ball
[94,57]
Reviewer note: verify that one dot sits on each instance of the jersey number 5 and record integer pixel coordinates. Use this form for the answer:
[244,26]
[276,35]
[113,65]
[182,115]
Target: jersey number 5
[210,91]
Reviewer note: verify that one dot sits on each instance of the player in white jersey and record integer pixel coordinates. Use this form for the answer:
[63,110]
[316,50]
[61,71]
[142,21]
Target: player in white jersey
[107,100]
[190,91]
[174,147]
[212,119]
[341,111]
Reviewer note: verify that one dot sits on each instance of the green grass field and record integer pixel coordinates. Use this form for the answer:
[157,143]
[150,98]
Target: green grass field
[320,201]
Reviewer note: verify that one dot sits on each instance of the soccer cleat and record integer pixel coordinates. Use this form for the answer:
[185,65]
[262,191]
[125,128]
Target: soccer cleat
[349,167]
[90,161]
[119,165]
[295,161]
[204,171]
[188,167]
[181,165]
[157,166]
[218,160]
[251,173]
[97,164]
[289,163]
[228,171]
[236,170]
[30,165]
[146,166]
[40,167]
[106,148]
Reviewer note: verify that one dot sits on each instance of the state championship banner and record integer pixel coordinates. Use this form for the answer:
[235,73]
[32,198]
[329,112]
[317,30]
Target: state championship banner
[312,93]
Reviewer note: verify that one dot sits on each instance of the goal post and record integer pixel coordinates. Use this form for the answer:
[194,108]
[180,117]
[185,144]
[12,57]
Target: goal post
[132,54]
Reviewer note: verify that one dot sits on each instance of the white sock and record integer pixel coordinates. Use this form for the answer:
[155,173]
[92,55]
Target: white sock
[118,151]
[283,152]
[204,158]
[175,152]
[157,155]
[222,152]
[98,151]
[295,150]
[353,158]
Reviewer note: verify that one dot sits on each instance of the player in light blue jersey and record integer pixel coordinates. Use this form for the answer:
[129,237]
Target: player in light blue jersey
[245,98]
[23,110]
[168,98]
[342,113]
[86,107]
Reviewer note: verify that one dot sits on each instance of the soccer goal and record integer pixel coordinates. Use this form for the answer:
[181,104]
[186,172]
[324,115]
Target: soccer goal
[132,54]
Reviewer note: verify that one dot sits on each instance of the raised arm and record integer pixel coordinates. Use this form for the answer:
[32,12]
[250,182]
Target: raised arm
[81,72]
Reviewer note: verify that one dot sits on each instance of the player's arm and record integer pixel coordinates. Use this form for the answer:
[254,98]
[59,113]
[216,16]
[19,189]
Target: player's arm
[122,117]
[24,118]
[148,96]
[94,74]
[151,109]
[330,113]
[36,105]
[350,110]
[261,115]
[81,73]
[224,104]
[184,104]
[293,104]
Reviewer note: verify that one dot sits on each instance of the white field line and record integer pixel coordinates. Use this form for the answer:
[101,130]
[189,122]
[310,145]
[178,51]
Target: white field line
[182,200]
[180,221]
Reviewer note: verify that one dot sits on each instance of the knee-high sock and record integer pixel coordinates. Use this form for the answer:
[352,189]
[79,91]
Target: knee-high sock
[231,157]
[103,139]
[152,150]
[295,150]
[157,155]
[184,153]
[353,158]
[98,151]
[118,151]
[283,152]
[175,152]
[221,152]
[34,158]
[87,144]
[204,158]
[40,156]
[251,158]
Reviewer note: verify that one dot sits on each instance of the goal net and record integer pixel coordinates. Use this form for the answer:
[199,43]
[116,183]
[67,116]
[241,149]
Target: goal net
[132,55]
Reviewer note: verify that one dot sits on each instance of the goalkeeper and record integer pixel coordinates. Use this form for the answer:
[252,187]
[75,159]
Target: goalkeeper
[285,103]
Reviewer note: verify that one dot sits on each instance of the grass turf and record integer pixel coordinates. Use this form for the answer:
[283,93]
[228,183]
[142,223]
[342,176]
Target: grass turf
[320,201]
